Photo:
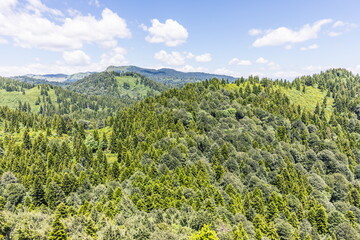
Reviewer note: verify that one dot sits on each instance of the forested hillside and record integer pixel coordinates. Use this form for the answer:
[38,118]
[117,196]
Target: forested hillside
[49,100]
[126,85]
[253,159]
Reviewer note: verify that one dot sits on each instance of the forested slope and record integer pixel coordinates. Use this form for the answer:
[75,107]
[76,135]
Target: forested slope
[126,85]
[52,100]
[213,160]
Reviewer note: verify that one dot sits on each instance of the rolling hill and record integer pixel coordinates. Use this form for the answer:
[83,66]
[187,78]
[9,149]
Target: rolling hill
[50,100]
[126,85]
[165,76]
[252,159]
[169,76]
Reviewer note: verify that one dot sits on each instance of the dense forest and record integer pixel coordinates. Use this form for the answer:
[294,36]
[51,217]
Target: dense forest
[127,85]
[249,159]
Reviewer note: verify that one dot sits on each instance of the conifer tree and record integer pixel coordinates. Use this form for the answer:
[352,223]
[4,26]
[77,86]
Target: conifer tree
[58,230]
[26,139]
[239,233]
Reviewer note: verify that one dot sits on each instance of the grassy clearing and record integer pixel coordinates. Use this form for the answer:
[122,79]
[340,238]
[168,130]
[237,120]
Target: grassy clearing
[307,100]
[136,89]
[11,99]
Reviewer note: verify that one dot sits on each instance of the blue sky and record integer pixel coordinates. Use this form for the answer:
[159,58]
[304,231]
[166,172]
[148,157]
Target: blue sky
[277,39]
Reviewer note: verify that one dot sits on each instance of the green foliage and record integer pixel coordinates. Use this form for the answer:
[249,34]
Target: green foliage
[205,233]
[241,157]
[58,231]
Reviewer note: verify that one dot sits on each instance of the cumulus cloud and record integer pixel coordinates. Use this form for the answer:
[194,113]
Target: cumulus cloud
[284,35]
[310,47]
[28,28]
[236,61]
[38,7]
[225,71]
[6,4]
[204,58]
[76,58]
[173,58]
[255,32]
[114,57]
[262,60]
[269,64]
[171,32]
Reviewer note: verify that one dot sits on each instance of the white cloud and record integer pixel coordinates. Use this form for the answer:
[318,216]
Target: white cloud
[269,64]
[283,35]
[341,28]
[38,7]
[334,34]
[273,66]
[171,32]
[95,3]
[338,24]
[288,47]
[77,58]
[6,4]
[224,71]
[262,60]
[73,12]
[173,58]
[310,47]
[236,61]
[115,57]
[29,29]
[255,32]
[203,58]
[188,68]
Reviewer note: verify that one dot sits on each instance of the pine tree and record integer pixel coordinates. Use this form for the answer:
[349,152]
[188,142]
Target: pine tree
[58,230]
[26,139]
[61,210]
[321,219]
[38,193]
[90,228]
[239,233]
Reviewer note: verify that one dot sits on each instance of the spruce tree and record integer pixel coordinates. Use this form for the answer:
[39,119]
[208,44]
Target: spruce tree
[58,230]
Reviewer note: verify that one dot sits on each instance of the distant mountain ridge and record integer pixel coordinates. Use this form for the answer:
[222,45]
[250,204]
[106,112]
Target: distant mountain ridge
[168,75]
[163,75]
[52,78]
